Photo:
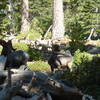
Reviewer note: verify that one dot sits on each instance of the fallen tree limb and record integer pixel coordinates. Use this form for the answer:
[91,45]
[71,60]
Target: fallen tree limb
[35,97]
[39,86]
[8,92]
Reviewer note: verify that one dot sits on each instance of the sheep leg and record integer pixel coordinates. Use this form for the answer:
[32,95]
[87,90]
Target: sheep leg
[52,69]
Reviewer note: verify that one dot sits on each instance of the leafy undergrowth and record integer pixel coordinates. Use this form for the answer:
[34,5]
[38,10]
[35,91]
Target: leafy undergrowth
[85,73]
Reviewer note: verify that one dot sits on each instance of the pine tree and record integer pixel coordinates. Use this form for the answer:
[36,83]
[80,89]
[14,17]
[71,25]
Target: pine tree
[25,16]
[85,14]
[58,20]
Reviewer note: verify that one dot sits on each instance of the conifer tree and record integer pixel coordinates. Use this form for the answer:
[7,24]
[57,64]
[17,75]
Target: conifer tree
[25,16]
[58,20]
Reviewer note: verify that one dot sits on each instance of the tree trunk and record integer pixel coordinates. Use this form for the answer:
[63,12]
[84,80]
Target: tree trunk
[11,18]
[58,20]
[25,15]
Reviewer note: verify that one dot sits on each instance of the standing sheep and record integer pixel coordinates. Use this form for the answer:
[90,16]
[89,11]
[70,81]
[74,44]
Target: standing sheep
[58,59]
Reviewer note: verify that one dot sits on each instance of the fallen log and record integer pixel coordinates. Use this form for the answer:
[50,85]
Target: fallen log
[41,86]
[17,75]
[41,96]
[24,76]
[8,92]
[47,84]
[43,81]
[3,76]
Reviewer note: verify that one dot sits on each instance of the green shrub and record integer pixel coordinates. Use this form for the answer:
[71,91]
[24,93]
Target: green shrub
[39,65]
[81,58]
[35,54]
[87,76]
[85,73]
[21,35]
[77,34]
[31,34]
[20,46]
[75,45]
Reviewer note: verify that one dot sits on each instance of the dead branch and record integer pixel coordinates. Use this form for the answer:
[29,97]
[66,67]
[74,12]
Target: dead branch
[8,92]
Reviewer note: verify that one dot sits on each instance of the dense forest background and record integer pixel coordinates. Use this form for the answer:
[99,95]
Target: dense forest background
[80,18]
[82,23]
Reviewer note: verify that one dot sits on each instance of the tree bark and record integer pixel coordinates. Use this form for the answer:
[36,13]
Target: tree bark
[25,16]
[11,17]
[58,20]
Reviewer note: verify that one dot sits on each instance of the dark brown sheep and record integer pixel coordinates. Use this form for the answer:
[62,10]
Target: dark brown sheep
[14,58]
[7,47]
[58,59]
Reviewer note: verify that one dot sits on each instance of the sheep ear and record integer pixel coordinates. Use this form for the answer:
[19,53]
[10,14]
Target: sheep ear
[2,42]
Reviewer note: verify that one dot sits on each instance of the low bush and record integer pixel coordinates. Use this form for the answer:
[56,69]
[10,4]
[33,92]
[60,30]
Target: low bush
[77,44]
[20,46]
[85,73]
[77,35]
[81,58]
[35,54]
[31,34]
